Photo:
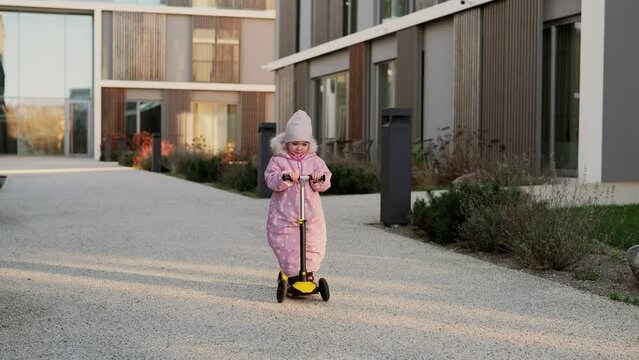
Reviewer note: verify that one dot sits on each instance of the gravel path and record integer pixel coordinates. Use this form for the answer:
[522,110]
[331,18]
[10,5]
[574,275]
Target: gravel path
[108,263]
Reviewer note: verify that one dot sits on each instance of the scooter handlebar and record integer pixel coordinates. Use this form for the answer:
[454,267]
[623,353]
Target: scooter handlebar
[287,177]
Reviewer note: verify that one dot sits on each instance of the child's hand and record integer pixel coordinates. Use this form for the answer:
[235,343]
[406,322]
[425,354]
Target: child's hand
[294,175]
[316,175]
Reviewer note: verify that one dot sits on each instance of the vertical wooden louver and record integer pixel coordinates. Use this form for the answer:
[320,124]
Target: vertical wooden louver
[177,113]
[356,89]
[302,75]
[112,112]
[407,90]
[253,106]
[285,94]
[139,46]
[320,22]
[511,31]
[467,75]
[335,19]
[287,31]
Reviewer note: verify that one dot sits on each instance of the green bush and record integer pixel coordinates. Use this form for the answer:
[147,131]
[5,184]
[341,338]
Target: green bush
[128,158]
[442,217]
[241,176]
[485,212]
[618,225]
[196,166]
[352,178]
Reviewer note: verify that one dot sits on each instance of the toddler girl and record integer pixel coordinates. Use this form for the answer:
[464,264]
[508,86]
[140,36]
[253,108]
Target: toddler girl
[294,154]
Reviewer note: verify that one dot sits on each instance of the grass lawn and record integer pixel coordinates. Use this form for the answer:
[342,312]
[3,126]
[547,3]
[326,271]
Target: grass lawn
[618,225]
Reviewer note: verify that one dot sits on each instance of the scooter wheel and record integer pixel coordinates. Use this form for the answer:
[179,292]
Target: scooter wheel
[323,288]
[282,288]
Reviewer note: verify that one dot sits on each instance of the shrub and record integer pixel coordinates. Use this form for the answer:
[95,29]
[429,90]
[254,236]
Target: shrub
[350,177]
[128,158]
[485,212]
[241,176]
[442,216]
[195,165]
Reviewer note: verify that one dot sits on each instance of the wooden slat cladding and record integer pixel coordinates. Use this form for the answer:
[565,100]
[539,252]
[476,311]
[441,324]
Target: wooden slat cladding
[139,46]
[302,75]
[357,90]
[253,106]
[407,89]
[112,112]
[287,35]
[511,31]
[466,98]
[422,4]
[179,3]
[177,113]
[285,94]
[320,22]
[335,19]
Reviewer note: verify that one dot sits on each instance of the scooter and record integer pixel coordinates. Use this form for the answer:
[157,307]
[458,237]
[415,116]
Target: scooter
[301,287]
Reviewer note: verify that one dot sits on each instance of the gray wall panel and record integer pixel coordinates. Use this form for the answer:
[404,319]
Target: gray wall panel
[179,41]
[335,19]
[306,18]
[255,51]
[366,12]
[621,93]
[107,45]
[556,9]
[438,78]
[329,64]
[384,49]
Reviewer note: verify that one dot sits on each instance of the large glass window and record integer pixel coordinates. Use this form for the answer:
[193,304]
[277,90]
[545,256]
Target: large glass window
[560,102]
[349,19]
[142,116]
[214,127]
[45,60]
[386,74]
[216,49]
[390,9]
[332,114]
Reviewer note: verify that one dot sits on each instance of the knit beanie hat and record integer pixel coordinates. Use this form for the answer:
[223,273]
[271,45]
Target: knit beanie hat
[299,127]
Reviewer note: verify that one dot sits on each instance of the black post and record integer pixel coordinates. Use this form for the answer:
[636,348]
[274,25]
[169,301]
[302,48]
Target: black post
[121,146]
[107,149]
[396,166]
[157,153]
[266,131]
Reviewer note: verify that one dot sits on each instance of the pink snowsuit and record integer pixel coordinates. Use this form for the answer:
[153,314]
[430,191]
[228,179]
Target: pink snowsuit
[282,228]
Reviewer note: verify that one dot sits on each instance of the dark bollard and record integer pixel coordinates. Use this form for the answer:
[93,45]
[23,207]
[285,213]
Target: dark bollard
[266,131]
[396,166]
[121,146]
[107,149]
[157,153]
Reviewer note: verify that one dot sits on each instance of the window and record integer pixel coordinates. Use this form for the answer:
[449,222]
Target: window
[216,49]
[560,100]
[332,113]
[349,17]
[214,127]
[234,4]
[142,116]
[390,9]
[386,73]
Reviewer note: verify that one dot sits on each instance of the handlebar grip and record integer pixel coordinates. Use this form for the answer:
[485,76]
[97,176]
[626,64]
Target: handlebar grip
[287,177]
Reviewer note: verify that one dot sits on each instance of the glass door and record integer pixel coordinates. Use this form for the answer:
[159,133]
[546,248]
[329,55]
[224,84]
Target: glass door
[77,128]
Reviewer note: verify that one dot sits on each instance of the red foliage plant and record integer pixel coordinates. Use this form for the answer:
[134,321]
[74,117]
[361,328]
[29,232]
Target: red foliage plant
[143,143]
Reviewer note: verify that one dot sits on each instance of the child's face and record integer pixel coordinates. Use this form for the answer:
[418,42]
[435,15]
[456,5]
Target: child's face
[297,147]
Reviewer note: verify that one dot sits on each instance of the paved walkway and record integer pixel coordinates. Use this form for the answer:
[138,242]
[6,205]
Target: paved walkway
[107,262]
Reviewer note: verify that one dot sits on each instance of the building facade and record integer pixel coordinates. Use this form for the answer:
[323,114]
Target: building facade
[74,73]
[551,80]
